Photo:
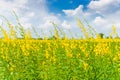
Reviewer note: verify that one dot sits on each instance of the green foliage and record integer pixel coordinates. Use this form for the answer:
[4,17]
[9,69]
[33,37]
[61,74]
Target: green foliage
[17,64]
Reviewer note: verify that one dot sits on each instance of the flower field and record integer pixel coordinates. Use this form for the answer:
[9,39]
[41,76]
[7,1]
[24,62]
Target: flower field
[68,59]
[60,59]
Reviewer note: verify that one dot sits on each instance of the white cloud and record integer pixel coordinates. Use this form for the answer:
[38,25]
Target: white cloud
[6,8]
[66,25]
[15,5]
[99,21]
[31,14]
[25,22]
[104,6]
[99,4]
[46,24]
[102,14]
[77,11]
[24,11]
[109,9]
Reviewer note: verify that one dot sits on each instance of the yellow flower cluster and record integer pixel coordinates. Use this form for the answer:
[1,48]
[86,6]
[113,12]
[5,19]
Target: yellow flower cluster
[101,49]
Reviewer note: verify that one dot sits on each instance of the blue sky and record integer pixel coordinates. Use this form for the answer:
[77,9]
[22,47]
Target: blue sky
[101,14]
[58,5]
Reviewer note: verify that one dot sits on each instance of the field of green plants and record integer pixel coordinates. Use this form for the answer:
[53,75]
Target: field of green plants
[58,59]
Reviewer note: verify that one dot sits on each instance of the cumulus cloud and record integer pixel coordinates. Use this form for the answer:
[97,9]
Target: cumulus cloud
[26,11]
[12,5]
[99,21]
[109,9]
[31,14]
[66,25]
[102,5]
[25,22]
[102,14]
[47,21]
[77,11]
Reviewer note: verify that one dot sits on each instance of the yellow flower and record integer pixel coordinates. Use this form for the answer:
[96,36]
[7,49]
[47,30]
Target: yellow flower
[54,59]
[85,65]
[5,35]
[117,57]
[28,35]
[47,55]
[77,55]
[69,55]
[12,67]
[12,32]
[24,50]
[101,49]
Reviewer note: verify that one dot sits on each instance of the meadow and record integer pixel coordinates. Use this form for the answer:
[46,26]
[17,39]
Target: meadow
[91,58]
